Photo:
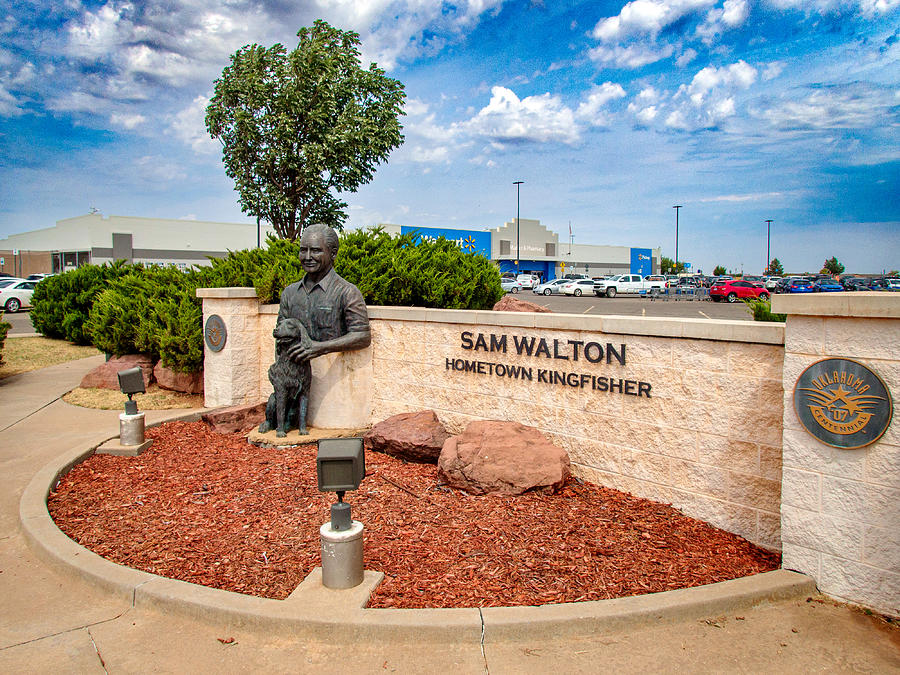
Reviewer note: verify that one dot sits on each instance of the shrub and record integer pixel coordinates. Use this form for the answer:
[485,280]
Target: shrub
[762,310]
[123,308]
[62,303]
[4,329]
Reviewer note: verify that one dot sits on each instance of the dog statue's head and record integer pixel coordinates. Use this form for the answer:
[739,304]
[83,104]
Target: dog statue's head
[290,330]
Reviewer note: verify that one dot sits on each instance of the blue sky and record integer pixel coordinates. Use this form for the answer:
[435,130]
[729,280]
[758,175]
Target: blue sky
[610,112]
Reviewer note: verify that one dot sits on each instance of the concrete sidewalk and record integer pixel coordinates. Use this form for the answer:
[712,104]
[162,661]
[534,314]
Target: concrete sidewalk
[51,621]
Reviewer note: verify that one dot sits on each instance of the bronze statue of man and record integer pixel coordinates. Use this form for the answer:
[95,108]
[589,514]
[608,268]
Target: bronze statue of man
[333,313]
[330,307]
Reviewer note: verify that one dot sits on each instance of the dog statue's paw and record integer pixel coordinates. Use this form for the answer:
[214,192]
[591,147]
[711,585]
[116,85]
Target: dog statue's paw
[280,433]
[304,431]
[265,427]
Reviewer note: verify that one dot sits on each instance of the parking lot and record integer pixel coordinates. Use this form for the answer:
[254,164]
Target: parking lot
[636,306]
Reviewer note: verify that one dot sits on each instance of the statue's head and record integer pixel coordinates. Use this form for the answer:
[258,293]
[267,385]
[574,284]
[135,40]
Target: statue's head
[318,249]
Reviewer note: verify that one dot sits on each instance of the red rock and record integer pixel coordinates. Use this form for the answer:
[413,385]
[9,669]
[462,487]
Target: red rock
[236,418]
[508,303]
[415,437]
[502,458]
[106,376]
[188,383]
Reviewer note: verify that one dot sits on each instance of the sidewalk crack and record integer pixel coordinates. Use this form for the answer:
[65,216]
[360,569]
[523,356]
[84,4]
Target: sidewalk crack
[97,650]
[33,412]
[68,630]
[483,656]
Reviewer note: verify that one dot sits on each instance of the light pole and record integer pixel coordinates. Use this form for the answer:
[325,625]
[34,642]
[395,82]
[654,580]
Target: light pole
[677,207]
[517,184]
[768,240]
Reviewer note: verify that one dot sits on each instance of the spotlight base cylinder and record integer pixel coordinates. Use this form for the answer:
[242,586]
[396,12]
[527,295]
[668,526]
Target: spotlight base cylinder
[342,556]
[131,429]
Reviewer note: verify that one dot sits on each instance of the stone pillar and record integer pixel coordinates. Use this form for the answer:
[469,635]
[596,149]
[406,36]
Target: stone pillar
[840,510]
[231,376]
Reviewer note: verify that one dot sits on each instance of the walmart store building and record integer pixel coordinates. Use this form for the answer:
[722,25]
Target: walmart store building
[538,250]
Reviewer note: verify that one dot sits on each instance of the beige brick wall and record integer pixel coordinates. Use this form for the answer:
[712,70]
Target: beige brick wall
[708,440]
[841,508]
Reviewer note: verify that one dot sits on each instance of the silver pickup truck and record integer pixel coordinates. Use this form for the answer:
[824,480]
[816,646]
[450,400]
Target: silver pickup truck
[627,283]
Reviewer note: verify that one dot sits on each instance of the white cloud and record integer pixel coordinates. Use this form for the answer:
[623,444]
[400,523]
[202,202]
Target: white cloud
[732,14]
[867,8]
[748,197]
[686,57]
[189,125]
[591,109]
[630,56]
[647,115]
[772,70]
[740,74]
[855,106]
[646,17]
[127,121]
[540,119]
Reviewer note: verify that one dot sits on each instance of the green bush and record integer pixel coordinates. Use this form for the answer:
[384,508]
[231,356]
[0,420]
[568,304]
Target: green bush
[762,310]
[123,309]
[4,329]
[62,303]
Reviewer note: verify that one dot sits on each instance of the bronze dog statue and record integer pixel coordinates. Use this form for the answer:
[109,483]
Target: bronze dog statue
[290,380]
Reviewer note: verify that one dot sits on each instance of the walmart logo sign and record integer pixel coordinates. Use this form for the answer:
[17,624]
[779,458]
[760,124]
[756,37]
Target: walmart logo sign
[467,240]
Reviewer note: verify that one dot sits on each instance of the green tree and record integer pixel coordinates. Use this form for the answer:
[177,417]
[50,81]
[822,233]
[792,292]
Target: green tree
[668,266]
[832,266]
[718,271]
[775,268]
[298,128]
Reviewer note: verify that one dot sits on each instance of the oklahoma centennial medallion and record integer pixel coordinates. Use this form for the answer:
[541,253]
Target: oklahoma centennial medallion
[842,403]
[215,333]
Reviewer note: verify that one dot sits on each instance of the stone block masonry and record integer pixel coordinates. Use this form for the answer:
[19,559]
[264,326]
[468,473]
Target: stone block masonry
[840,511]
[696,413]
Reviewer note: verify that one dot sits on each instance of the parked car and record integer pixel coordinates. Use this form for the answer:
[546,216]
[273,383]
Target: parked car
[733,290]
[551,287]
[626,283]
[893,284]
[855,284]
[752,277]
[17,295]
[772,282]
[510,285]
[38,276]
[827,286]
[6,281]
[578,287]
[797,285]
[528,280]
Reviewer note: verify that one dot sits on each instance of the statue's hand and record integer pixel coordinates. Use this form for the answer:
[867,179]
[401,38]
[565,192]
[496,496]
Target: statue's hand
[304,352]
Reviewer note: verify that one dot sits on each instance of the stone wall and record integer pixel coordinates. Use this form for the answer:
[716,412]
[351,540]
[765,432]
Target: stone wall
[707,438]
[841,508]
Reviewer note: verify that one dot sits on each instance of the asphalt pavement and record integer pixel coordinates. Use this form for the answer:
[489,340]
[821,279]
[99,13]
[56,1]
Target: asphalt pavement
[637,306]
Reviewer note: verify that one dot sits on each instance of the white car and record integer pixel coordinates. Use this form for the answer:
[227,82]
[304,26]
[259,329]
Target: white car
[528,280]
[551,287]
[17,295]
[510,285]
[772,282]
[578,287]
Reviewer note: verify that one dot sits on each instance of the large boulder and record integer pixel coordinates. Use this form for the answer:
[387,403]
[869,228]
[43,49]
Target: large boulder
[188,383]
[415,437]
[106,376]
[508,458]
[509,303]
[235,419]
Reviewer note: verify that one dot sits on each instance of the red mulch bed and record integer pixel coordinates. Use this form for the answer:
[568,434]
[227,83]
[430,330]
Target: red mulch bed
[214,510]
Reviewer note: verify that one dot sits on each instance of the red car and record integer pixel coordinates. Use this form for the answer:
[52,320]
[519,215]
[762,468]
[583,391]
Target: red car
[736,289]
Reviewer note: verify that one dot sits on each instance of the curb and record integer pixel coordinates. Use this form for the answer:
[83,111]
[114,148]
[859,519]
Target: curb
[314,611]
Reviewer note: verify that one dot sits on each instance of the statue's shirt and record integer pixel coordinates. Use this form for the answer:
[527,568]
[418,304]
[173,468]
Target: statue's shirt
[331,308]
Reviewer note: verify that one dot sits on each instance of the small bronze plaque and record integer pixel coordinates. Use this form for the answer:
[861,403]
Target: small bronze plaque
[842,403]
[215,333]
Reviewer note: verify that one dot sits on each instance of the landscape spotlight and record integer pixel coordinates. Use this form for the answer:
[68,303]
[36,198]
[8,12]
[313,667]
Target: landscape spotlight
[131,382]
[340,466]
